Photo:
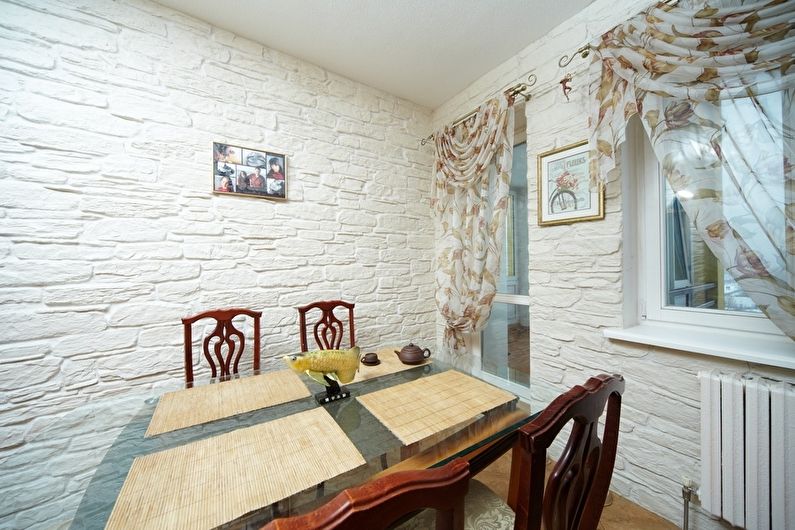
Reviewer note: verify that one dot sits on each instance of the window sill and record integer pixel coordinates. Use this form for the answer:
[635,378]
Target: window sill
[759,348]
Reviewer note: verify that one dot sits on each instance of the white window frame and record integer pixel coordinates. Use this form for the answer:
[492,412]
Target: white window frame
[652,265]
[742,336]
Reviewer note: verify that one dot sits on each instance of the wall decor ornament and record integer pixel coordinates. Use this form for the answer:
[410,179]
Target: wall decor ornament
[250,172]
[564,192]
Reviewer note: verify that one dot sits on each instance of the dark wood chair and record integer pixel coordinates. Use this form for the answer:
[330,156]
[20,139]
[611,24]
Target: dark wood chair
[328,330]
[574,494]
[379,503]
[577,487]
[228,343]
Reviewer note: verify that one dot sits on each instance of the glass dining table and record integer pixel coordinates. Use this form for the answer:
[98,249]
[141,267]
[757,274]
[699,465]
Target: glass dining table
[126,419]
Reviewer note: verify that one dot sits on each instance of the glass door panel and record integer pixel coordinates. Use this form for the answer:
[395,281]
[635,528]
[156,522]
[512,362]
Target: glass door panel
[505,342]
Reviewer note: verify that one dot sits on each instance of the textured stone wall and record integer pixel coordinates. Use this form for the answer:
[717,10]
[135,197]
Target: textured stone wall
[109,233]
[576,286]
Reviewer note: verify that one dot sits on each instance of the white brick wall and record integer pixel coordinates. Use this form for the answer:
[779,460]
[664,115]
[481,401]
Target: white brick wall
[109,233]
[575,286]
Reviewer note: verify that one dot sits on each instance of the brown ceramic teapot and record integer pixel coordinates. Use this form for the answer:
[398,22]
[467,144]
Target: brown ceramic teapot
[412,354]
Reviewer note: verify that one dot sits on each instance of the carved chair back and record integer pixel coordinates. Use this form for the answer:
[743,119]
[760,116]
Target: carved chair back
[576,490]
[379,503]
[228,343]
[328,330]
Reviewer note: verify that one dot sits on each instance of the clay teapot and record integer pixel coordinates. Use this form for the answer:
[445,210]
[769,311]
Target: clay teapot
[412,354]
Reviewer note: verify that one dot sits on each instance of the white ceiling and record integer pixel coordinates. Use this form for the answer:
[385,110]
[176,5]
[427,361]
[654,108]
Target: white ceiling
[426,51]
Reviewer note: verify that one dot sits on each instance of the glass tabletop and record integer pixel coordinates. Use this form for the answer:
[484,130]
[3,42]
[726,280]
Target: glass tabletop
[111,435]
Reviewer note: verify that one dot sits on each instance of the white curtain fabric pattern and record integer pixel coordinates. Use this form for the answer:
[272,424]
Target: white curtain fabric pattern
[472,179]
[713,85]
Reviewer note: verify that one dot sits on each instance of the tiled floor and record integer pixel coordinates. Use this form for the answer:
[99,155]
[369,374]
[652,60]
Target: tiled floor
[619,514]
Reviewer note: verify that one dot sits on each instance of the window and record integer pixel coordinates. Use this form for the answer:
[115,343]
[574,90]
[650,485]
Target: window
[504,345]
[677,294]
[694,277]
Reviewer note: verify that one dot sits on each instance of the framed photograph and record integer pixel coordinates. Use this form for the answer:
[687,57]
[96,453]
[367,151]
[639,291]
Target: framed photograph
[563,188]
[243,171]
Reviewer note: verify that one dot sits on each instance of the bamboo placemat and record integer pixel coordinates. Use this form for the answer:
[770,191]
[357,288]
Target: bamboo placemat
[418,409]
[213,481]
[203,404]
[390,364]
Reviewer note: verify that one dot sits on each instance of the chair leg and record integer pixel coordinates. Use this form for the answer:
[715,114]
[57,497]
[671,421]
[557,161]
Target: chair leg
[513,481]
[451,519]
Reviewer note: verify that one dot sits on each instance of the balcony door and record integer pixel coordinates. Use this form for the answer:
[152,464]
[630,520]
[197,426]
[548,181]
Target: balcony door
[504,345]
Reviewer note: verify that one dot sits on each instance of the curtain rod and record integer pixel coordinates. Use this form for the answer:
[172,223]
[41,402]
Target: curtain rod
[518,88]
[585,50]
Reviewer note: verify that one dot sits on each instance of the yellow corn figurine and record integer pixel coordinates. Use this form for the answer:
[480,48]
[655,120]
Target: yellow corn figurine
[340,365]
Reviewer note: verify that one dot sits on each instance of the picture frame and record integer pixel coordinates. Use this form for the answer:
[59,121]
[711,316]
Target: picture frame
[248,172]
[564,194]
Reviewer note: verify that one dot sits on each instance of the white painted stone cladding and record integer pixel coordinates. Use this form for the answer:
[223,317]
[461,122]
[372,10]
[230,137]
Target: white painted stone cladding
[109,233]
[575,286]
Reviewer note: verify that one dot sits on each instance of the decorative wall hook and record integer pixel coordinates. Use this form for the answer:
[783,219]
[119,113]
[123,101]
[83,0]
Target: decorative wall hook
[564,85]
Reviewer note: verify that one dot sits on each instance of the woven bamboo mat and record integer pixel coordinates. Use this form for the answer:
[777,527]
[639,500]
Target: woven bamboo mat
[416,410]
[213,481]
[203,404]
[390,364]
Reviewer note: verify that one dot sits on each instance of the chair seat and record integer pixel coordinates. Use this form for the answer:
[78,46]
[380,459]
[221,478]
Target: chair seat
[483,510]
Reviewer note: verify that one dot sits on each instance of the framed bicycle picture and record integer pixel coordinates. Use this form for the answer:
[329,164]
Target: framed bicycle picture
[564,194]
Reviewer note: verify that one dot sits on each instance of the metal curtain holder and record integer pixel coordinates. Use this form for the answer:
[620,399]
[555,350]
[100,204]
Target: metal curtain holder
[511,92]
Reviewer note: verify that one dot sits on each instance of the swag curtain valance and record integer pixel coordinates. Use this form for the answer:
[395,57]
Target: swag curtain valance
[472,178]
[713,85]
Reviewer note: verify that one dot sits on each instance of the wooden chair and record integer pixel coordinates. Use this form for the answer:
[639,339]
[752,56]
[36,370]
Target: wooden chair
[379,503]
[228,338]
[327,331]
[577,487]
[576,490]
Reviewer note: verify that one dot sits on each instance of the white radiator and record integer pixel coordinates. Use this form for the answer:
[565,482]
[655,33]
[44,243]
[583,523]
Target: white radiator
[748,450]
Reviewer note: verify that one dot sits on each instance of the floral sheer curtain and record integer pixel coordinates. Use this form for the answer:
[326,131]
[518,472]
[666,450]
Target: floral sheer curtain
[713,84]
[472,179]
